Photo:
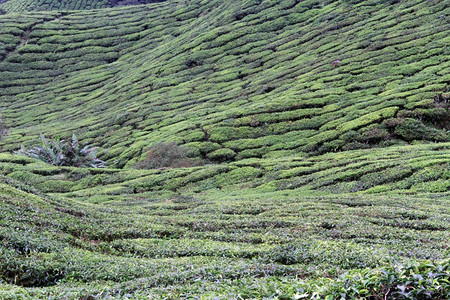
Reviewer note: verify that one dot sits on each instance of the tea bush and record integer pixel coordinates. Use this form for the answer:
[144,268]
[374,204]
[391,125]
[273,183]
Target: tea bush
[411,129]
[417,280]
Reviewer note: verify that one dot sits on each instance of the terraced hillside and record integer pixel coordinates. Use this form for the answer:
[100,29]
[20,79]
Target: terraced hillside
[319,131]
[406,170]
[233,80]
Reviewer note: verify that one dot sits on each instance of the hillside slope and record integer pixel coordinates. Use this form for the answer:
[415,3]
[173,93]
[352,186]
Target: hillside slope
[405,170]
[233,80]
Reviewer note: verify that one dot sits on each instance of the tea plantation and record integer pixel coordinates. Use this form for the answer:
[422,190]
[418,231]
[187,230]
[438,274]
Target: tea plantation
[306,149]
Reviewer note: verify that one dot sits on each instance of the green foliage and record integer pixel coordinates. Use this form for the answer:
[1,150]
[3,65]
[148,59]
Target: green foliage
[368,119]
[61,153]
[418,280]
[343,255]
[220,155]
[411,129]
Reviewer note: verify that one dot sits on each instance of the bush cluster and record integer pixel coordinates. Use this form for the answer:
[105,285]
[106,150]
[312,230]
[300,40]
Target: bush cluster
[410,129]
[418,280]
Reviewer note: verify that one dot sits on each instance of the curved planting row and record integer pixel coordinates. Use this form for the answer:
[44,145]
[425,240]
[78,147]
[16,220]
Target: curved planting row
[401,170]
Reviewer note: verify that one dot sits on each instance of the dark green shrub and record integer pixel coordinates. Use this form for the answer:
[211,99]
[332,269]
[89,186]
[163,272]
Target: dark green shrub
[331,146]
[412,129]
[168,155]
[355,145]
[436,115]
[374,133]
[61,153]
[352,136]
[393,122]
